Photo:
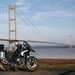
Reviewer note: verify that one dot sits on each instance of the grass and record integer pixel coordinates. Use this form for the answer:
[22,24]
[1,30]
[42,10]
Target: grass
[58,67]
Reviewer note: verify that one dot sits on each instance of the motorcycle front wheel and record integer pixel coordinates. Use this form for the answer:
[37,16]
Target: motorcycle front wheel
[32,63]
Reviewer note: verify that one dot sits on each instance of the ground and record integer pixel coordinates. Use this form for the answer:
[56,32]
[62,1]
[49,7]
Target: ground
[48,67]
[38,72]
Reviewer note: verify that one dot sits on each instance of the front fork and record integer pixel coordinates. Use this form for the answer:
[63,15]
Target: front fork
[26,55]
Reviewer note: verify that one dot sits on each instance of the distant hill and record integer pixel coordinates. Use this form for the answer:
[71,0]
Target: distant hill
[51,46]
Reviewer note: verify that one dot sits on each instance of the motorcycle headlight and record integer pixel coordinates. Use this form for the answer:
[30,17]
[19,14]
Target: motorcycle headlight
[2,54]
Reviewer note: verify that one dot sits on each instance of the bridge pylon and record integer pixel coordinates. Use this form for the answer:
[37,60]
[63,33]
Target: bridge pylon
[12,23]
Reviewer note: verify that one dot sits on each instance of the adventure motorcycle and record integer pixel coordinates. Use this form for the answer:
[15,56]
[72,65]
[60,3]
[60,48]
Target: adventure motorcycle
[21,57]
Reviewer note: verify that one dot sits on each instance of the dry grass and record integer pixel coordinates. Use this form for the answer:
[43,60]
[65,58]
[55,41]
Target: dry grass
[59,67]
[57,64]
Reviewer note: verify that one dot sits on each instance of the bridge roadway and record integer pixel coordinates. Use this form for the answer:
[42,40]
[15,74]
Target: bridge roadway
[62,44]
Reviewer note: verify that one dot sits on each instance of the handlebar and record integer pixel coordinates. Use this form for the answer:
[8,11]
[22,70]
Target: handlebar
[28,46]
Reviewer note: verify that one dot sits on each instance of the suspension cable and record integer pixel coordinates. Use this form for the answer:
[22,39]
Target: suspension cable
[24,20]
[29,21]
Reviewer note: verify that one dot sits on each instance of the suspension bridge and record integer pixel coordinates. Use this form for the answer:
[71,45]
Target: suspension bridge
[15,11]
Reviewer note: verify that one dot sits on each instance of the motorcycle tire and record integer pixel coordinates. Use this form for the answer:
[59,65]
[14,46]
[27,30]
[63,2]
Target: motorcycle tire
[32,63]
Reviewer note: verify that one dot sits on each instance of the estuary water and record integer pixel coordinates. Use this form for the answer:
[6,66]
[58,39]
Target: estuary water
[55,53]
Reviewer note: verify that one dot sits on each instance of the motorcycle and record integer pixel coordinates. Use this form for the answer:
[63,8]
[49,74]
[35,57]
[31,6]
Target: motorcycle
[21,57]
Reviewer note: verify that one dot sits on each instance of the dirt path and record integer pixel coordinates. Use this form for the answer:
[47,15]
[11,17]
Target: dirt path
[38,73]
[27,73]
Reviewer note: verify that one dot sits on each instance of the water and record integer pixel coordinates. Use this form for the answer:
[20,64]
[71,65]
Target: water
[66,53]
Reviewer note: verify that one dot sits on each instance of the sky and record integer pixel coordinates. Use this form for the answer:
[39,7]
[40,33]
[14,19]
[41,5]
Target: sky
[43,20]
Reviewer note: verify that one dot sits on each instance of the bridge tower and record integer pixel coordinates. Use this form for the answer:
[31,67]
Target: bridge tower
[12,23]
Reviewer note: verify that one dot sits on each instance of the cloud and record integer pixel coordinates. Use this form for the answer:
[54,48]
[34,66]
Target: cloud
[4,26]
[20,2]
[67,0]
[57,13]
[30,33]
[45,16]
[23,5]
